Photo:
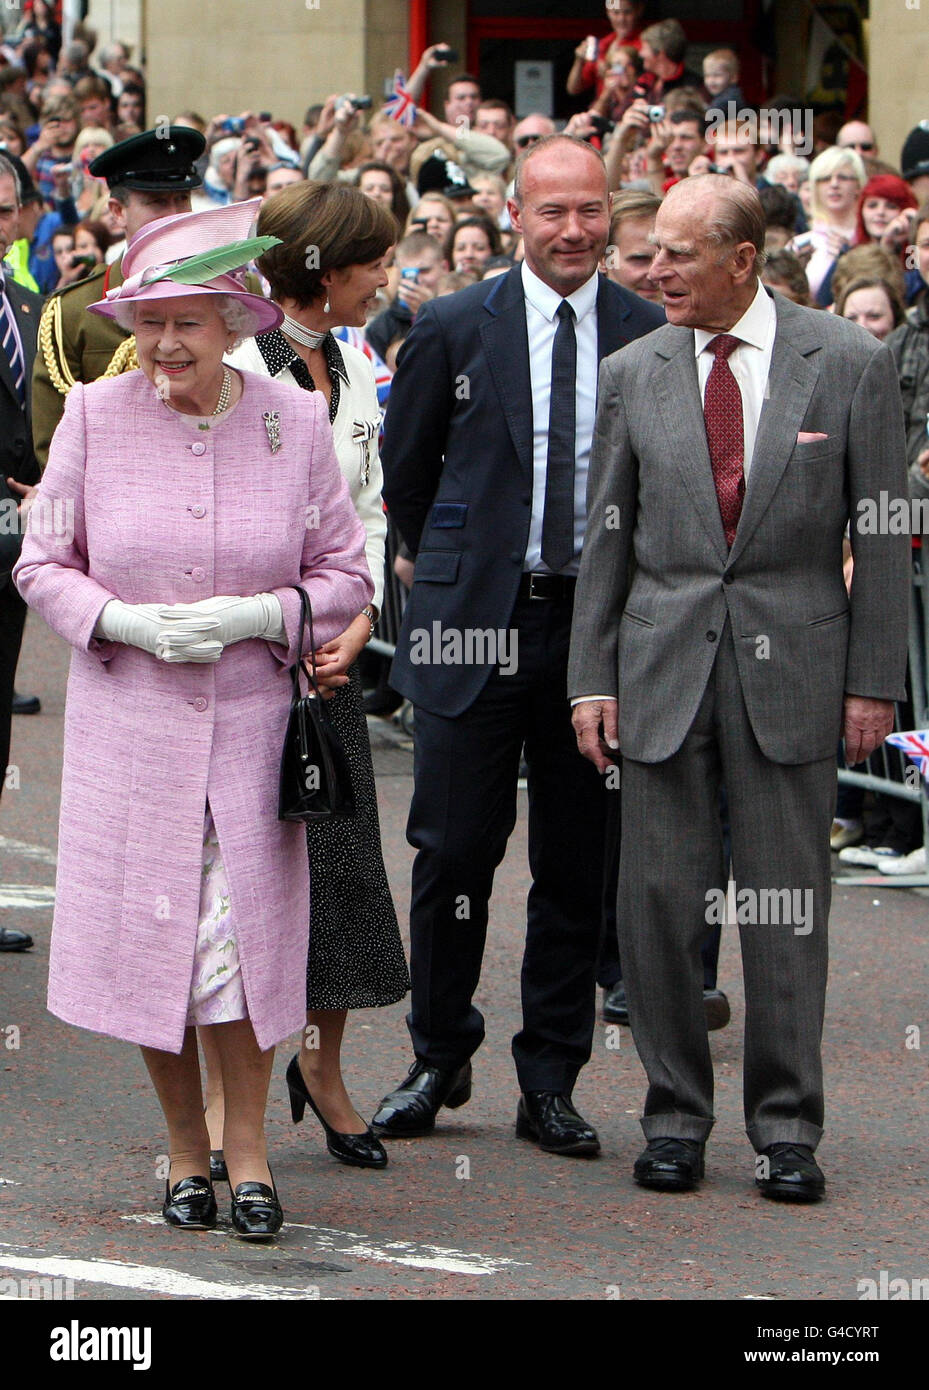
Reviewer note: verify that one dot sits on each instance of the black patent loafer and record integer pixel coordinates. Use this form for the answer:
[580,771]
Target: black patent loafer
[716,1009]
[11,939]
[190,1203]
[26,704]
[363,1150]
[789,1173]
[549,1119]
[410,1110]
[670,1165]
[256,1211]
[615,1008]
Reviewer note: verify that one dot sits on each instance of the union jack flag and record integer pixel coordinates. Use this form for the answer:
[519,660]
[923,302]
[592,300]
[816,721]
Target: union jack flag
[915,744]
[401,105]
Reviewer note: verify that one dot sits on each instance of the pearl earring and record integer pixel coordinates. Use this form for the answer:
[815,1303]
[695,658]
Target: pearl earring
[326,306]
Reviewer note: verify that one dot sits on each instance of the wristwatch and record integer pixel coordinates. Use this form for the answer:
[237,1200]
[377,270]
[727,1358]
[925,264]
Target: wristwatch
[371,616]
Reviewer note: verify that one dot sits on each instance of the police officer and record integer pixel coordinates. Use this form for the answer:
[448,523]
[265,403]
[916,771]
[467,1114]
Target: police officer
[149,176]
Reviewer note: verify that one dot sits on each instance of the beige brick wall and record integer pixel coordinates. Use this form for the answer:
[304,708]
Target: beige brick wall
[898,67]
[275,55]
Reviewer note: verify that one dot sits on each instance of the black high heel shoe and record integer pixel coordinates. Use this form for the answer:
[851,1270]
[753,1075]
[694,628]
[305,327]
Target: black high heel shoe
[357,1150]
[256,1210]
[190,1203]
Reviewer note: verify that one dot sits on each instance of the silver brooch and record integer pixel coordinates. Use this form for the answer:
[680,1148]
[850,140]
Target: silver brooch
[272,419]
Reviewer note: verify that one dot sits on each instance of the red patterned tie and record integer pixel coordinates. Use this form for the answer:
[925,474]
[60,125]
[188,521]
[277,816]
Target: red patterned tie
[722,411]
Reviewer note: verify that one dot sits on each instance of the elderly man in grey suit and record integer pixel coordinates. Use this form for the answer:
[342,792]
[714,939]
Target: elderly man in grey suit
[714,642]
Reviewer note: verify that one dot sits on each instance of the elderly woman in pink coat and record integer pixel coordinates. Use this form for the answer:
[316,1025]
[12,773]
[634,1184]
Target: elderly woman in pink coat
[197,496]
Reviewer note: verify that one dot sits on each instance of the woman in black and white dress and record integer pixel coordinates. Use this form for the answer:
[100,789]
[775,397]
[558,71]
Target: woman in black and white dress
[326,273]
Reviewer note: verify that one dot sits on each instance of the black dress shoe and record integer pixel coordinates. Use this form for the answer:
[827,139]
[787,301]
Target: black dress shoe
[550,1120]
[13,940]
[26,704]
[791,1174]
[615,1008]
[716,1008]
[410,1110]
[218,1171]
[190,1203]
[357,1150]
[256,1211]
[670,1165]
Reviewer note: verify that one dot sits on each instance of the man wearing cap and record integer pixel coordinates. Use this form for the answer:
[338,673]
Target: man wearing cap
[149,176]
[914,160]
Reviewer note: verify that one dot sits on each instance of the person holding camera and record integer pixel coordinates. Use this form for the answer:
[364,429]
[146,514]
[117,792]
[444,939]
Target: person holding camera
[421,263]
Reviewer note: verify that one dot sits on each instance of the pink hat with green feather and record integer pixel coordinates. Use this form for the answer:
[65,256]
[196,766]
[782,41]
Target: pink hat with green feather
[194,253]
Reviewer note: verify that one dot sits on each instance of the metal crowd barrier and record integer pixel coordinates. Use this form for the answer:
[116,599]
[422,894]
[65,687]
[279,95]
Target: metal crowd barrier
[888,765]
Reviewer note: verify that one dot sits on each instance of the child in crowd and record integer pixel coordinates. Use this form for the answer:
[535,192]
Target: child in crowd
[721,80]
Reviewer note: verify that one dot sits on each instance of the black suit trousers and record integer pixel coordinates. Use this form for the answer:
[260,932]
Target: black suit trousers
[463,811]
[12,623]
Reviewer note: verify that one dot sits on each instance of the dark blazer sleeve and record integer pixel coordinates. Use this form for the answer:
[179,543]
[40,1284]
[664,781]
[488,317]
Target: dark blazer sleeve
[419,408]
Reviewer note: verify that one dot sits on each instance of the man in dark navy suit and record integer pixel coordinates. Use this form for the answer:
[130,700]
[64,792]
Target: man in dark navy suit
[19,321]
[487,440]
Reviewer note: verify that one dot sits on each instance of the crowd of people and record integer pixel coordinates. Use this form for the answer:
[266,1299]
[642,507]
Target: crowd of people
[419,322]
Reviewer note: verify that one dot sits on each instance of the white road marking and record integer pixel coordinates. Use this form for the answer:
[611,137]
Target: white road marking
[149,1278]
[9,1182]
[31,895]
[27,851]
[397,1252]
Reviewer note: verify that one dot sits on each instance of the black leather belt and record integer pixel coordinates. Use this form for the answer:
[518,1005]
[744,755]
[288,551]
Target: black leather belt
[547,586]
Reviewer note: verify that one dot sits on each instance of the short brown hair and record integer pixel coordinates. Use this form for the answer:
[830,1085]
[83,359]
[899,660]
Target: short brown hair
[632,203]
[667,37]
[59,108]
[92,88]
[873,282]
[341,224]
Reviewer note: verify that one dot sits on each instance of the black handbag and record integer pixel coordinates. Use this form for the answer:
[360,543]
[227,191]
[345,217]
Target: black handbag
[315,778]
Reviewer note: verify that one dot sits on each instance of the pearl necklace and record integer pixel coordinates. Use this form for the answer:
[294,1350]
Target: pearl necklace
[306,336]
[225,392]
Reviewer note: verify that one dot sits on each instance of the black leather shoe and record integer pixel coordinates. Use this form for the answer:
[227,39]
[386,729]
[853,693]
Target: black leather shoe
[190,1203]
[550,1120]
[670,1165]
[615,1008]
[791,1174]
[26,704]
[13,940]
[410,1110]
[256,1211]
[218,1171]
[357,1150]
[716,1008]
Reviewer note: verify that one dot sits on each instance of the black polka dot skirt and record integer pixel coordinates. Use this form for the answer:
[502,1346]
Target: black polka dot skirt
[356,958]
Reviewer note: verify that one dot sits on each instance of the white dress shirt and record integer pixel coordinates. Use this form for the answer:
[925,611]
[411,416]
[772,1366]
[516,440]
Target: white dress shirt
[750,363]
[541,324]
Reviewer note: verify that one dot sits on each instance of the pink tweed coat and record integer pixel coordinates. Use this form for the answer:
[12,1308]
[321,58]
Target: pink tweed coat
[165,513]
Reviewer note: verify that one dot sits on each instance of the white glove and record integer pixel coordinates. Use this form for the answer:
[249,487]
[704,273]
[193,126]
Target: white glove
[236,619]
[145,626]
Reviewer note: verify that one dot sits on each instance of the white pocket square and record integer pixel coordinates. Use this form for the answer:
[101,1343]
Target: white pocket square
[804,437]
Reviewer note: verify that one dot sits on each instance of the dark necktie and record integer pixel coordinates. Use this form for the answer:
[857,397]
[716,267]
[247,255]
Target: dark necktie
[9,345]
[722,411]
[558,516]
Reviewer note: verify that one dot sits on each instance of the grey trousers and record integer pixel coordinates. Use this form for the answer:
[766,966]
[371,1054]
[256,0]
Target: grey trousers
[671,876]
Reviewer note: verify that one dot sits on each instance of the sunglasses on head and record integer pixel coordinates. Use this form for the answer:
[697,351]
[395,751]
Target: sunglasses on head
[525,140]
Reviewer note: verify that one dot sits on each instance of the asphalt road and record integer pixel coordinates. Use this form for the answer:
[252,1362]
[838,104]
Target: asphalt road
[471,1213]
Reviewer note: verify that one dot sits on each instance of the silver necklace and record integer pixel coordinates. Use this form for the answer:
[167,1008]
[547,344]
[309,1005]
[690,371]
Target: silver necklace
[225,392]
[306,336]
